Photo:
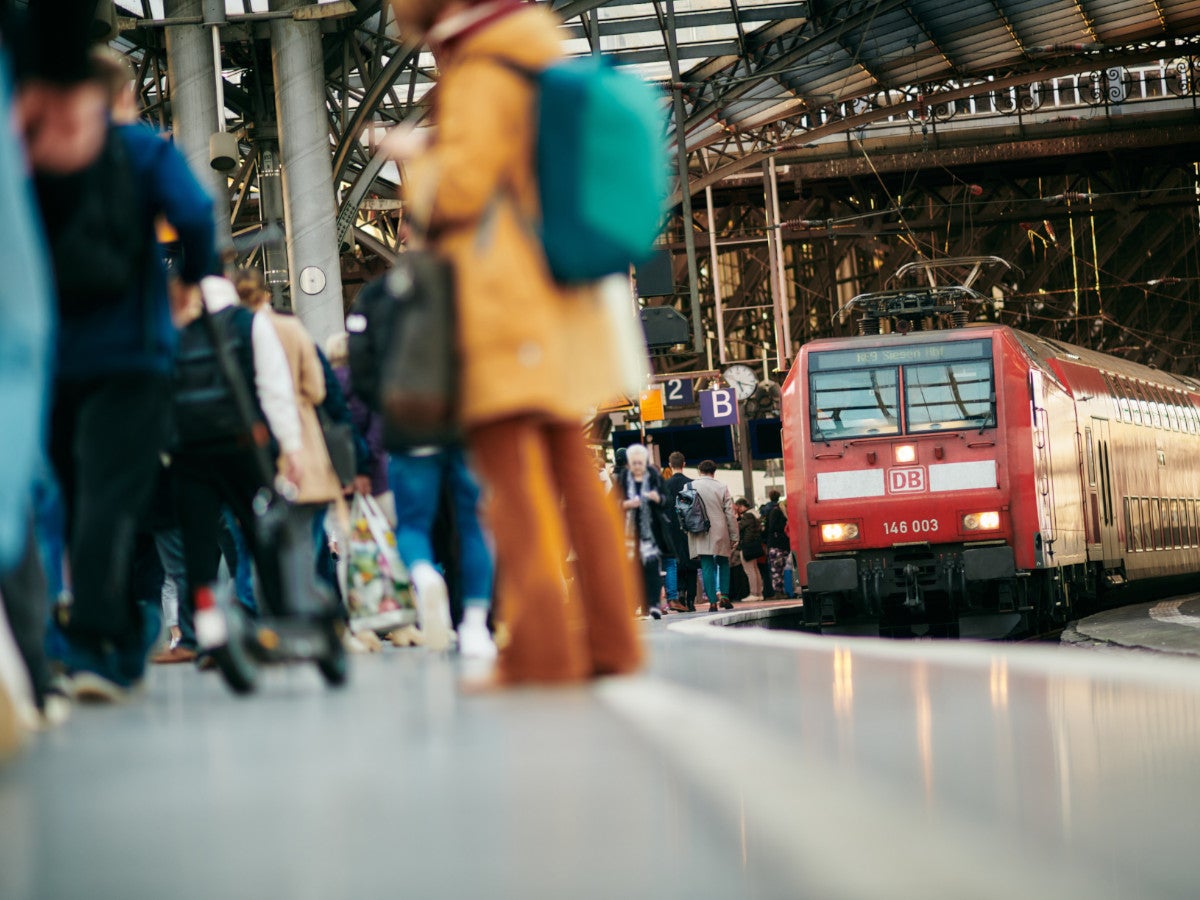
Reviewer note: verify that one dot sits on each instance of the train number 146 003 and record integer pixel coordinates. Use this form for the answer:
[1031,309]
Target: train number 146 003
[911,526]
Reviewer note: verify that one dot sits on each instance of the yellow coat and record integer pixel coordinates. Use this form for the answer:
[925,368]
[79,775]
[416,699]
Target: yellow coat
[528,345]
[318,482]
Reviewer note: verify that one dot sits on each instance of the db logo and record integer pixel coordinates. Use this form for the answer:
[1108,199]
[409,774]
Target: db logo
[906,481]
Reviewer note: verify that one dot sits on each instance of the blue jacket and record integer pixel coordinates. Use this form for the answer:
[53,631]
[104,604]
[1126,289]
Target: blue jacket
[26,339]
[136,334]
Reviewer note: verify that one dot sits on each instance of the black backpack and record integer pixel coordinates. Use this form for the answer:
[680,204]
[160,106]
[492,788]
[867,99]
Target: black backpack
[693,517]
[97,229]
[206,411]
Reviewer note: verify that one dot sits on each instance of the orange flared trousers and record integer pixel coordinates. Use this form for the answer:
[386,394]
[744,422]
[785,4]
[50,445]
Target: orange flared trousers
[546,499]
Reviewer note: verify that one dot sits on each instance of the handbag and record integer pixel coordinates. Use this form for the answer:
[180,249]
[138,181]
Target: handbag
[339,441]
[378,594]
[418,385]
[753,549]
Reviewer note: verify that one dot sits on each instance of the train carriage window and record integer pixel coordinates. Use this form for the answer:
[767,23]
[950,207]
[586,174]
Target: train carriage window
[1133,525]
[1135,408]
[1111,384]
[1191,522]
[1157,407]
[949,395]
[1146,401]
[1091,457]
[1147,533]
[854,403]
[1156,524]
[1176,536]
[1149,407]
[1122,394]
[1151,395]
[1175,411]
[1165,411]
[1189,412]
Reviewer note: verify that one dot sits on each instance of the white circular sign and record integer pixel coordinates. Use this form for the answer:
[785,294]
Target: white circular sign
[312,280]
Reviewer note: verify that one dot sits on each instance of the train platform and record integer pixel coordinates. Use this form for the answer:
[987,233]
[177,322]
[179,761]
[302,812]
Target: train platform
[1165,626]
[745,762]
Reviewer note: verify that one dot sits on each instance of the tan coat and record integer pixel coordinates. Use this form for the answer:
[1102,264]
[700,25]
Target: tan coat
[722,532]
[318,482]
[527,344]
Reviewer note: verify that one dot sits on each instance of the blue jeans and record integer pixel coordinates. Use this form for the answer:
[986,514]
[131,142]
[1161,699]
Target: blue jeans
[714,570]
[50,527]
[672,568]
[417,482]
[169,542]
[243,578]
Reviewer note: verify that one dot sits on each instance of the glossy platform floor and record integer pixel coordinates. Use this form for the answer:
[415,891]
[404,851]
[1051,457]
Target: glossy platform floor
[744,764]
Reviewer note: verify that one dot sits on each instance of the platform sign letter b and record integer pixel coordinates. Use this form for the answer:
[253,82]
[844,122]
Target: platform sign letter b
[718,407]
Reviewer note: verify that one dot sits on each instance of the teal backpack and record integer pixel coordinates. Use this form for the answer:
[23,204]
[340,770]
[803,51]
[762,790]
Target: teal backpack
[601,167]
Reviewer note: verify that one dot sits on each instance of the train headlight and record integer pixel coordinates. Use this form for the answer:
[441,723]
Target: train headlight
[832,532]
[981,521]
[906,453]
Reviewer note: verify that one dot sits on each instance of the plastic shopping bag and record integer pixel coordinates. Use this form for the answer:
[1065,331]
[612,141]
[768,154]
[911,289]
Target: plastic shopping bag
[378,593]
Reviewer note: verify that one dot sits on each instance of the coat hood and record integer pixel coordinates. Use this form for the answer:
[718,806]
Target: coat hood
[526,36]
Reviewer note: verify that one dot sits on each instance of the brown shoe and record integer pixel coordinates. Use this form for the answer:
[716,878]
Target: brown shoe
[724,601]
[175,655]
[677,607]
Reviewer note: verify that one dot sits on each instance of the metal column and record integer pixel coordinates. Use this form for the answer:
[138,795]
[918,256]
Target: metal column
[689,236]
[270,187]
[310,212]
[715,276]
[783,340]
[194,104]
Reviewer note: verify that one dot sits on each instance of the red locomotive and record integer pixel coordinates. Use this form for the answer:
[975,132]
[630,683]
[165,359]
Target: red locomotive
[980,481]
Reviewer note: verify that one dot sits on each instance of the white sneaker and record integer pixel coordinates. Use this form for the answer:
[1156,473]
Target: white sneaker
[475,642]
[433,606]
[474,639]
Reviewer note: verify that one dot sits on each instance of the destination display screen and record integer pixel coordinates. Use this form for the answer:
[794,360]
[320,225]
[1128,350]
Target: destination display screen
[947,351]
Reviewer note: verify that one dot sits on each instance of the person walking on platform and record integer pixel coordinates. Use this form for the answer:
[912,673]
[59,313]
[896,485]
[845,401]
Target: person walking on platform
[318,485]
[714,546]
[370,455]
[214,460]
[778,543]
[56,110]
[641,493]
[750,547]
[421,479]
[115,349]
[686,568]
[535,355]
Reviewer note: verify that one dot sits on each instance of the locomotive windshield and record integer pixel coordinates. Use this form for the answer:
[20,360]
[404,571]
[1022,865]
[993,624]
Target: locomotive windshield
[856,393]
[855,403]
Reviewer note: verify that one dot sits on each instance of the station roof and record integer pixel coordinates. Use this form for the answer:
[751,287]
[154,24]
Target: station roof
[744,65]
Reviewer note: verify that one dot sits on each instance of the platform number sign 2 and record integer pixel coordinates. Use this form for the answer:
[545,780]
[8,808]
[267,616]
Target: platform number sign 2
[679,392]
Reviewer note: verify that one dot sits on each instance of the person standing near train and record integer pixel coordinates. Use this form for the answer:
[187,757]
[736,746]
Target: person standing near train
[715,546]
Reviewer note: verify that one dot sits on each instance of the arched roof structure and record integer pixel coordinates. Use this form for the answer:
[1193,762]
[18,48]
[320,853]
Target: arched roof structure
[804,86]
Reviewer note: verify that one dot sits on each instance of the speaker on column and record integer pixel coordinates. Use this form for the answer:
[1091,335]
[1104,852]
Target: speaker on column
[222,151]
[104,22]
[655,277]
